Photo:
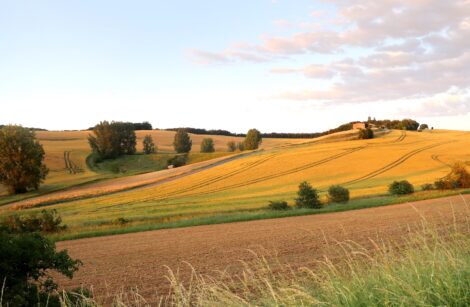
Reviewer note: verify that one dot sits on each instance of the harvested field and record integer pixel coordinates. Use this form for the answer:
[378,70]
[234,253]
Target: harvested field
[139,260]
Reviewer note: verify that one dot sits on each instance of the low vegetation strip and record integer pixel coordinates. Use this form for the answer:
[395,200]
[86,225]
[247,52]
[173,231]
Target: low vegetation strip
[218,247]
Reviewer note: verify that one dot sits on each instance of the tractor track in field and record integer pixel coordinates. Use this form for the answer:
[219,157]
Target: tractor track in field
[394,163]
[70,166]
[273,176]
[401,138]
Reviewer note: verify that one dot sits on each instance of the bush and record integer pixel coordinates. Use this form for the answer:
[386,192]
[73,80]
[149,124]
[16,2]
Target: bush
[231,146]
[427,187]
[149,145]
[458,178]
[252,139]
[278,205]
[121,221]
[207,145]
[241,146]
[27,260]
[365,134]
[21,160]
[401,188]
[182,142]
[338,194]
[178,160]
[307,197]
[47,221]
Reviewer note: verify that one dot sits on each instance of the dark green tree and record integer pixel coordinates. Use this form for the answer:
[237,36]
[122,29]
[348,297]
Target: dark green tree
[149,145]
[231,146]
[207,145]
[338,194]
[21,160]
[252,140]
[27,260]
[365,134]
[423,127]
[111,140]
[307,197]
[182,142]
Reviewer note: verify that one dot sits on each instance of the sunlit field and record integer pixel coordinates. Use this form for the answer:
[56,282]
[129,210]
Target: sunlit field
[245,185]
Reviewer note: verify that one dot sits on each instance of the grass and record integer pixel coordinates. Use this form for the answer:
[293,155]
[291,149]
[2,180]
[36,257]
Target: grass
[110,227]
[427,267]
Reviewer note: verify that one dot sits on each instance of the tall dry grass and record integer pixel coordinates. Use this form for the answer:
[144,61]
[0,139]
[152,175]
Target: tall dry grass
[428,267]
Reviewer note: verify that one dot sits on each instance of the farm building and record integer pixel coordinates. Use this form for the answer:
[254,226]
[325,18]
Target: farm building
[360,125]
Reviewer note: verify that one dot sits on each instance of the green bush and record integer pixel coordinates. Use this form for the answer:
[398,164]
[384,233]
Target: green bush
[231,146]
[278,205]
[338,194]
[178,160]
[207,145]
[121,221]
[241,146]
[401,188]
[365,134]
[252,140]
[427,187]
[307,197]
[47,221]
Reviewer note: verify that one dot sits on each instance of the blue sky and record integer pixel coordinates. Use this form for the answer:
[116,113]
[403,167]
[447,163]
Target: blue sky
[275,65]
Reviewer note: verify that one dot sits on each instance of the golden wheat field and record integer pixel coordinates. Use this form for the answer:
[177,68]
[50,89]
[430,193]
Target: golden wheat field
[247,183]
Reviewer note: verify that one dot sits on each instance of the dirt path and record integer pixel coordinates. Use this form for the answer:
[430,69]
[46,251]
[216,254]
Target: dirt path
[113,262]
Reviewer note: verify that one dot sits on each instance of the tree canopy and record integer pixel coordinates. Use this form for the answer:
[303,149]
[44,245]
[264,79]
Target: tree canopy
[182,141]
[111,140]
[253,139]
[207,145]
[21,159]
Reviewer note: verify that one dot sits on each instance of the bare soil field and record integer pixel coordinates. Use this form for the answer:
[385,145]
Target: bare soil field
[114,263]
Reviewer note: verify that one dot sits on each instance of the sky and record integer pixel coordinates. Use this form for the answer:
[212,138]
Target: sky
[275,65]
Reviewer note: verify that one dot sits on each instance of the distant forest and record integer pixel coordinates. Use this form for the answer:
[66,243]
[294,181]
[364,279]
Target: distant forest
[405,124]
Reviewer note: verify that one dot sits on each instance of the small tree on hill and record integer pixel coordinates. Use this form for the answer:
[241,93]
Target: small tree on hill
[307,197]
[207,145]
[423,127]
[365,134]
[241,146]
[231,146]
[182,142]
[401,188]
[149,145]
[253,139]
[21,160]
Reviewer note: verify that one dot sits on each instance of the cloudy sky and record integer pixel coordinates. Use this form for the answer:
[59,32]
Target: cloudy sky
[277,65]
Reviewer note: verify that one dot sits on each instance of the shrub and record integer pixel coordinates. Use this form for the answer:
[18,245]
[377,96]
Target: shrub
[121,221]
[338,194]
[178,160]
[149,145]
[278,205]
[427,187]
[47,221]
[207,145]
[27,260]
[252,139]
[307,197]
[231,146]
[21,160]
[458,178]
[241,146]
[182,142]
[365,134]
[401,188]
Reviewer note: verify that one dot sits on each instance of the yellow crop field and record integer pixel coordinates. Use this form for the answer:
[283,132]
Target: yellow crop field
[366,167]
